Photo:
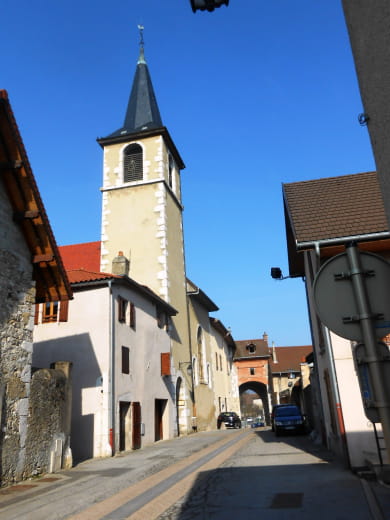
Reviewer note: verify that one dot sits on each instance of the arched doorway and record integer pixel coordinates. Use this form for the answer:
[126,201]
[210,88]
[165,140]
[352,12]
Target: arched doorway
[251,392]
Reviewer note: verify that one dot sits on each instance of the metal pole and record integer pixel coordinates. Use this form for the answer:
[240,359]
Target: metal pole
[373,358]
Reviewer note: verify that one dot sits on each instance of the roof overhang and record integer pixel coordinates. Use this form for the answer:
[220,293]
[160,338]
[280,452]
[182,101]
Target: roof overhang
[193,291]
[106,280]
[28,210]
[328,247]
[225,333]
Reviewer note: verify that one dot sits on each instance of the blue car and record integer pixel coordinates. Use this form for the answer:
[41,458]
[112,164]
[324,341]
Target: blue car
[288,418]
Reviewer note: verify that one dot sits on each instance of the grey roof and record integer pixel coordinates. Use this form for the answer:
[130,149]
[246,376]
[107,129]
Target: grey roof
[142,109]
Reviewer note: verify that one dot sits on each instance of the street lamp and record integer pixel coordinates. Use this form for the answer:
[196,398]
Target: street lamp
[207,5]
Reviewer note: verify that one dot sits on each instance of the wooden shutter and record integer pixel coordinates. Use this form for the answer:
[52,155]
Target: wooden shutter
[36,315]
[64,307]
[132,315]
[165,364]
[122,304]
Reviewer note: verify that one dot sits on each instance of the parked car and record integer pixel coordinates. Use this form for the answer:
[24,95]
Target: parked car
[288,418]
[275,406]
[257,423]
[229,419]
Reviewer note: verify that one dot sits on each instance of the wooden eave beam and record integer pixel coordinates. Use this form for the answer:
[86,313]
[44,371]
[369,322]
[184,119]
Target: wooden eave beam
[29,212]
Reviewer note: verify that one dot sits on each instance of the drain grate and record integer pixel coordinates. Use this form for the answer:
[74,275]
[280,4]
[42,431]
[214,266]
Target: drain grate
[287,501]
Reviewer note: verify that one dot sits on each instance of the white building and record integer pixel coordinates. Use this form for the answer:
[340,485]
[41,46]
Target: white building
[116,333]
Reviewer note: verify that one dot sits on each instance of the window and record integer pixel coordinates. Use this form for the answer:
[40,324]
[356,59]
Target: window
[216,360]
[201,357]
[132,163]
[252,371]
[50,312]
[170,171]
[132,315]
[122,306]
[251,348]
[220,362]
[125,360]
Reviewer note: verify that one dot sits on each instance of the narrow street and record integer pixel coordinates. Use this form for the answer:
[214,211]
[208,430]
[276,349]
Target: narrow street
[227,474]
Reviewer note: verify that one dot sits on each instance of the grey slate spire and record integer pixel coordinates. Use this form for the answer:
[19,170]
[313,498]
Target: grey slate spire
[142,110]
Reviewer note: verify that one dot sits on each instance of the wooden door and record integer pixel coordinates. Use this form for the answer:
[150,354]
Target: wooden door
[136,426]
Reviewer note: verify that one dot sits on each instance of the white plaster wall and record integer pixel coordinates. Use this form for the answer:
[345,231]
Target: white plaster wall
[144,383]
[83,340]
[88,329]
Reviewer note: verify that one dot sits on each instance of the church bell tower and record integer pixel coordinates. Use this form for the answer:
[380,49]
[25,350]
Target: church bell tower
[142,209]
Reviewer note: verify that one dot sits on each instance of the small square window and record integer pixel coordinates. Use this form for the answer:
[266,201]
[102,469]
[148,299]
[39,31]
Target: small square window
[252,371]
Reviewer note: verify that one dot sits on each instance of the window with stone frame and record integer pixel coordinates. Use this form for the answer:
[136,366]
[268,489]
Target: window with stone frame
[133,163]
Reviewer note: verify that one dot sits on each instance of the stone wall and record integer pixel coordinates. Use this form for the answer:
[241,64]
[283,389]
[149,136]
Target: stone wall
[22,451]
[17,294]
[47,443]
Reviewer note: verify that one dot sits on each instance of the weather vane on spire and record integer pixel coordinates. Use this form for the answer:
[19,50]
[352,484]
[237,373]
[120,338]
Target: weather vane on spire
[141,35]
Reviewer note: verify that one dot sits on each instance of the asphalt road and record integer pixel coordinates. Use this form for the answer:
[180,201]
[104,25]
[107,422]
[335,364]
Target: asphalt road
[221,475]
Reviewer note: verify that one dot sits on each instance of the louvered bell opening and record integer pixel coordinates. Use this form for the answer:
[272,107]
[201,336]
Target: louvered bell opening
[133,164]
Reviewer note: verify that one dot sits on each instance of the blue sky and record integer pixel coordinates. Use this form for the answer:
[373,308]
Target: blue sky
[254,95]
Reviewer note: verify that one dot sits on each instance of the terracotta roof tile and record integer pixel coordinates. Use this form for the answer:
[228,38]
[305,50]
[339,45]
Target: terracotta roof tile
[81,256]
[81,275]
[335,207]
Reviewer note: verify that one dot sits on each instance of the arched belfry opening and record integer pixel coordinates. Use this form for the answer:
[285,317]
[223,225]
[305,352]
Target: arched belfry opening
[254,400]
[133,163]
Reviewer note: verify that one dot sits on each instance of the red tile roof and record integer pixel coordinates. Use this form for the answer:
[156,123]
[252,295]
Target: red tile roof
[81,275]
[84,256]
[289,358]
[82,264]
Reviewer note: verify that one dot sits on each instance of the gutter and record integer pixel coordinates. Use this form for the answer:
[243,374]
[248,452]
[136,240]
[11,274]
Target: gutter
[111,403]
[317,244]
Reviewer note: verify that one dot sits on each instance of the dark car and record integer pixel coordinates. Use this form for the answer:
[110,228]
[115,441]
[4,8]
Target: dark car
[288,418]
[229,419]
[275,406]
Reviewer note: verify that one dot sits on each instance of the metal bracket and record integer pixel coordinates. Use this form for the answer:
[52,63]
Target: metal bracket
[347,275]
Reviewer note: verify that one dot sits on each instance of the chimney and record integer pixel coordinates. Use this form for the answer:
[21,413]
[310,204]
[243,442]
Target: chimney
[274,358]
[120,265]
[265,338]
